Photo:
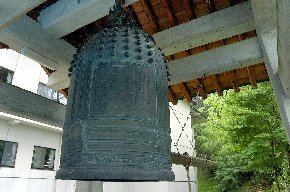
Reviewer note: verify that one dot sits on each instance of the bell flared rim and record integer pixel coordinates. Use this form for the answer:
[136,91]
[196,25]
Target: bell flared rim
[114,174]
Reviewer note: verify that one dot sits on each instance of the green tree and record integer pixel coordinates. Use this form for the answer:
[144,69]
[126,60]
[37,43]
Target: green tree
[245,135]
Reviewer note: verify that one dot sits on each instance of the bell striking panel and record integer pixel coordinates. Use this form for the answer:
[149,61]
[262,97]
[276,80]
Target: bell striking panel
[117,118]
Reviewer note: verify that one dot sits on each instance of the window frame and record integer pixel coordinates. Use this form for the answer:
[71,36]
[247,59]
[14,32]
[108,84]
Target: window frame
[7,166]
[8,71]
[50,93]
[47,169]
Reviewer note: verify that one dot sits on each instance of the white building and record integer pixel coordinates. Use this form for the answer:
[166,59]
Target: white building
[30,148]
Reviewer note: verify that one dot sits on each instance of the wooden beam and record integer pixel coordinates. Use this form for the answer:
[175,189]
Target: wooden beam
[64,17]
[210,28]
[217,85]
[225,58]
[172,97]
[42,60]
[179,159]
[27,33]
[252,76]
[59,79]
[11,10]
[201,89]
[185,92]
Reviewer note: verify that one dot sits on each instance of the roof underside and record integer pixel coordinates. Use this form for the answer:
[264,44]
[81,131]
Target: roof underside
[159,15]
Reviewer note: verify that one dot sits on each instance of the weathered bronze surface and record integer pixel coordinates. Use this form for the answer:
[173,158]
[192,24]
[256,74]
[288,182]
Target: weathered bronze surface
[117,118]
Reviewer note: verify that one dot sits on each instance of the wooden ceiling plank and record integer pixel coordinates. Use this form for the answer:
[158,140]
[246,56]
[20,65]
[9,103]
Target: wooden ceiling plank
[252,76]
[171,96]
[185,92]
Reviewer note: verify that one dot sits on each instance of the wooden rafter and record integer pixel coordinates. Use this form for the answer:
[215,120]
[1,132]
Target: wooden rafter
[145,17]
[221,4]
[213,5]
[201,89]
[252,76]
[183,10]
[151,14]
[171,96]
[170,12]
[217,85]
[190,4]
[179,159]
[64,92]
[234,80]
[134,15]
[185,91]
[202,8]
[3,46]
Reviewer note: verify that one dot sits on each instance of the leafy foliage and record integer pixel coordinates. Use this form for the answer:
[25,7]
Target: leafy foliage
[245,135]
[206,181]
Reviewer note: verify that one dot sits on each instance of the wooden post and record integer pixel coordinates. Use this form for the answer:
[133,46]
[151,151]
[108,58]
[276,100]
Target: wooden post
[179,159]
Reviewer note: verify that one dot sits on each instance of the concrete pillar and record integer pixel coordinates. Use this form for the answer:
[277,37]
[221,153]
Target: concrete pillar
[266,20]
[269,45]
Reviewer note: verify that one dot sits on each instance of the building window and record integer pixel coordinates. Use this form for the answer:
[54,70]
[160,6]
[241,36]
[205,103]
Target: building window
[44,91]
[7,153]
[43,158]
[6,75]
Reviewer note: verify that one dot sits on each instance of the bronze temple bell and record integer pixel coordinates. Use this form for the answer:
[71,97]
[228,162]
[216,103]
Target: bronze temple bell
[117,118]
